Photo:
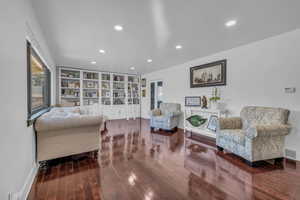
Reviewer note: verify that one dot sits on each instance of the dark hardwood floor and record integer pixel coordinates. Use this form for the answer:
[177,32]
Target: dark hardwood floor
[131,166]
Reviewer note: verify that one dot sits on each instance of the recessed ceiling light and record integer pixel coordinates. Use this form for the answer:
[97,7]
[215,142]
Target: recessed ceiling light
[149,60]
[230,23]
[102,51]
[132,68]
[178,47]
[118,27]
[93,62]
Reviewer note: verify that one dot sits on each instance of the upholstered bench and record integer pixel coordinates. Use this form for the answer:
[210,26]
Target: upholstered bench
[67,131]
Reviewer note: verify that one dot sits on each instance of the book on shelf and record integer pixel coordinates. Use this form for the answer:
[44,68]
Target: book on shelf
[70,74]
[90,75]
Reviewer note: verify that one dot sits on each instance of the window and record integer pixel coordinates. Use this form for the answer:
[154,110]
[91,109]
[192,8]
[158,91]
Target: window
[38,79]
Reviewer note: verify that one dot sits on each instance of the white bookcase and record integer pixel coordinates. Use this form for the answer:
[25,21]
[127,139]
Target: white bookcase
[117,95]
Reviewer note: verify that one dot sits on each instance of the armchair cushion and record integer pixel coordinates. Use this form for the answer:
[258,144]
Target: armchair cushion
[233,135]
[230,123]
[268,130]
[155,112]
[160,118]
[173,114]
[253,116]
[62,118]
[169,107]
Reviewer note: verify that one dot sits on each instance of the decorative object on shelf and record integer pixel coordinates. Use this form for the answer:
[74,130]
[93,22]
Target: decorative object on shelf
[204,102]
[210,74]
[105,85]
[193,101]
[107,94]
[212,123]
[196,120]
[143,82]
[90,85]
[144,93]
[214,98]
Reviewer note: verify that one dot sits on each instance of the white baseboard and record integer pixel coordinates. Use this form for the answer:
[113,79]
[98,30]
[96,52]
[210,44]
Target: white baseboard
[23,193]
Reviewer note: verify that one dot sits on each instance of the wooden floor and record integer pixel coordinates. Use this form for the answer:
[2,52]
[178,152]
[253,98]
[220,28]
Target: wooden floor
[133,165]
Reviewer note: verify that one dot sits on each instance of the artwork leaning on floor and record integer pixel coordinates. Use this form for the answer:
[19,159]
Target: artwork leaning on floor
[210,74]
[213,123]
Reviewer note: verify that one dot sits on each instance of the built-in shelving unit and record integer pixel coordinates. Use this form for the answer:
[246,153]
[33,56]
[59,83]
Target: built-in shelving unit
[133,97]
[70,87]
[116,94]
[90,87]
[106,89]
[133,90]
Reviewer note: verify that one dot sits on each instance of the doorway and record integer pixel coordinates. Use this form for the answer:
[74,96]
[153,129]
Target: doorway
[156,94]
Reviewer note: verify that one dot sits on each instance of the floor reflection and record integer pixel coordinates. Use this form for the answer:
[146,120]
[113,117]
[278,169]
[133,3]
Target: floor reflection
[134,163]
[155,165]
[118,148]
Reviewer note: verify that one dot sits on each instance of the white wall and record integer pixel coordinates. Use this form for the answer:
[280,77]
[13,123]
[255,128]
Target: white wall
[17,141]
[257,74]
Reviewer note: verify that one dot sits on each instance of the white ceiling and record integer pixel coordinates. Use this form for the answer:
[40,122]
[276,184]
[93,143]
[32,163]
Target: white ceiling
[77,29]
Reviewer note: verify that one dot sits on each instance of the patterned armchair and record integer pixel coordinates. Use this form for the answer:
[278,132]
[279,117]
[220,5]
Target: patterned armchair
[257,135]
[166,117]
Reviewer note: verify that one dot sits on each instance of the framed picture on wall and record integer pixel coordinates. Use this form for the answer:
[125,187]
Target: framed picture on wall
[144,93]
[207,75]
[143,82]
[193,101]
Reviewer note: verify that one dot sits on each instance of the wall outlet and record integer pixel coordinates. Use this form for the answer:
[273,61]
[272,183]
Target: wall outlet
[290,154]
[290,90]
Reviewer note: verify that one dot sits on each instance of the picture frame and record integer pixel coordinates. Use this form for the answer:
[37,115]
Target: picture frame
[143,82]
[193,101]
[144,93]
[208,75]
[212,123]
[90,85]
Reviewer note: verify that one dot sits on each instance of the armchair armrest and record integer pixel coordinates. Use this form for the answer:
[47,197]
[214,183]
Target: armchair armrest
[268,130]
[155,112]
[230,123]
[174,114]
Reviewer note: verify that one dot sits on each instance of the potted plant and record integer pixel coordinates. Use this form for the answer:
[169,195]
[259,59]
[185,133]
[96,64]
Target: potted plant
[214,98]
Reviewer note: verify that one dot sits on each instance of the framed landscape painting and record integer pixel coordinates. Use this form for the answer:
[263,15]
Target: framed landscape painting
[210,74]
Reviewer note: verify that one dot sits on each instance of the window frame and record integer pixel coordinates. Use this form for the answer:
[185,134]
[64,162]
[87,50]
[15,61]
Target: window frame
[32,114]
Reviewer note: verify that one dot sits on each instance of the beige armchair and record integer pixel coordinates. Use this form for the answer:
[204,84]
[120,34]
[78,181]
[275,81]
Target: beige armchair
[258,134]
